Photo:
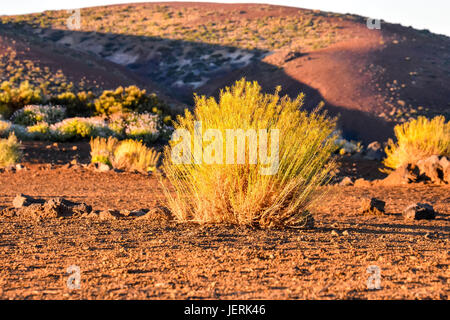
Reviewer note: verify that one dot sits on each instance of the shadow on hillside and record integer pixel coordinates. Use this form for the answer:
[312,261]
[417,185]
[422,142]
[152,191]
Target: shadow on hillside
[181,68]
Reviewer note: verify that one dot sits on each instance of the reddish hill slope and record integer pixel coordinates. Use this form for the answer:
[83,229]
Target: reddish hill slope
[373,79]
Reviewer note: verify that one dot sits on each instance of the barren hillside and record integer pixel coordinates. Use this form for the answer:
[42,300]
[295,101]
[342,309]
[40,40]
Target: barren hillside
[371,78]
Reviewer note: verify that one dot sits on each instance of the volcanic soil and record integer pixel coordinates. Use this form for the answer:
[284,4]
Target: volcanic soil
[150,258]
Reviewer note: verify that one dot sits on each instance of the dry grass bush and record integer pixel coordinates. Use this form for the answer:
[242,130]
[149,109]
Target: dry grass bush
[10,152]
[418,139]
[238,193]
[130,155]
[133,155]
[102,150]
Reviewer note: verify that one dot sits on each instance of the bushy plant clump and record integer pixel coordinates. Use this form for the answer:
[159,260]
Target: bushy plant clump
[127,155]
[239,193]
[144,127]
[134,155]
[10,152]
[123,100]
[33,114]
[127,100]
[102,150]
[80,128]
[14,98]
[418,139]
[77,104]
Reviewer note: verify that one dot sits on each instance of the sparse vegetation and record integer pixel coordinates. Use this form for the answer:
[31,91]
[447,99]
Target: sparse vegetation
[33,114]
[102,150]
[418,139]
[126,100]
[128,155]
[10,152]
[239,193]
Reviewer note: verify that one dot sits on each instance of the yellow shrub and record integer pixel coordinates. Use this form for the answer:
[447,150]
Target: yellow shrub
[133,155]
[126,155]
[9,151]
[102,150]
[239,193]
[418,139]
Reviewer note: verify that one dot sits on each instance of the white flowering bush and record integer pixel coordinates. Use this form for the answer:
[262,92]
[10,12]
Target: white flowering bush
[145,127]
[80,128]
[34,114]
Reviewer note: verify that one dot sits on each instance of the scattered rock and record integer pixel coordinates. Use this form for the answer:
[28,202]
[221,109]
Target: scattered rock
[405,174]
[372,206]
[309,223]
[66,166]
[374,151]
[27,206]
[19,167]
[101,167]
[92,214]
[138,213]
[157,214]
[109,214]
[81,209]
[10,169]
[8,212]
[292,55]
[445,164]
[334,233]
[419,211]
[362,183]
[347,181]
[435,168]
[22,200]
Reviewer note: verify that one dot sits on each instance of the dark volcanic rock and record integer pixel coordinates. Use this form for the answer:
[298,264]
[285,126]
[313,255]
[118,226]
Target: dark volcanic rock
[405,174]
[22,200]
[372,206]
[57,207]
[419,211]
[374,151]
[435,168]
